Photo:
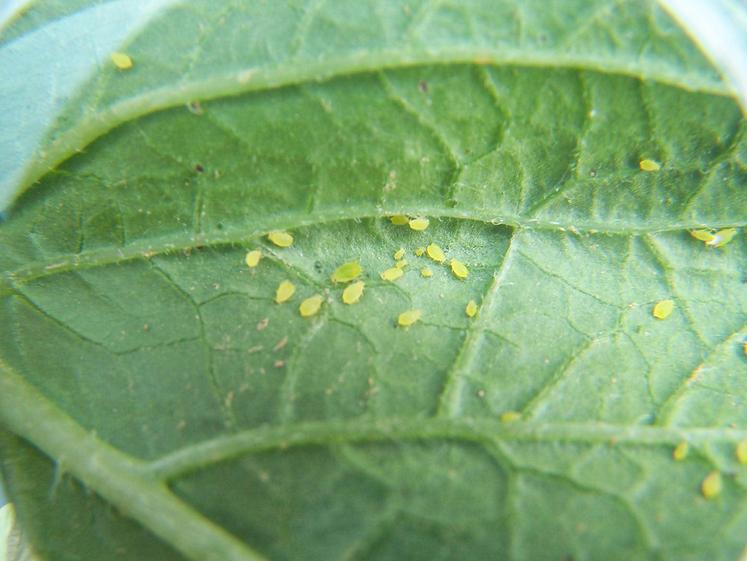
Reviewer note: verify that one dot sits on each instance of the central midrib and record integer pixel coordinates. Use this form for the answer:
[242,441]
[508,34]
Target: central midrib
[146,249]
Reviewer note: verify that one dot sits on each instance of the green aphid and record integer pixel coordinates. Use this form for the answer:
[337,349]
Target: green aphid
[722,237]
[712,485]
[703,235]
[649,165]
[680,451]
[663,309]
[391,274]
[347,272]
[510,416]
[741,452]
[406,319]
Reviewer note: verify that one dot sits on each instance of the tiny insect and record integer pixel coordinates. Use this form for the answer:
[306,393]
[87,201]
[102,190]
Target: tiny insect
[253,257]
[471,309]
[663,309]
[280,238]
[459,269]
[399,219]
[702,235]
[420,251]
[722,237]
[426,272]
[284,292]
[712,485]
[406,319]
[680,451]
[419,224]
[741,452]
[401,264]
[435,253]
[353,292]
[311,305]
[399,254]
[347,272]
[650,165]
[510,416]
[392,274]
[122,61]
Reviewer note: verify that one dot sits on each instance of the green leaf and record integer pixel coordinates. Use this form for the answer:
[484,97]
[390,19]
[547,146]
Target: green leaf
[158,404]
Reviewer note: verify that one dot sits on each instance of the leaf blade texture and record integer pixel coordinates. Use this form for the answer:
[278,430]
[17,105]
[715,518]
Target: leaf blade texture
[182,414]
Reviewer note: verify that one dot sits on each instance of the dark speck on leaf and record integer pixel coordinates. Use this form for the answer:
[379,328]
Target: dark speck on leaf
[195,107]
[318,266]
[423,86]
[199,168]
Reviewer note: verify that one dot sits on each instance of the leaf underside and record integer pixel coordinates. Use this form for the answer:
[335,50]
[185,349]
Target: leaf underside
[128,311]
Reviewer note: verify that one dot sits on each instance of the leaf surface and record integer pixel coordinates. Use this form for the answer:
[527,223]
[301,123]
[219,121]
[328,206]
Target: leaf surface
[144,361]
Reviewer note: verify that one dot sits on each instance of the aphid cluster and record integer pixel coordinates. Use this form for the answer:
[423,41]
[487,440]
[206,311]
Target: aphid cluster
[348,273]
[352,270]
[417,223]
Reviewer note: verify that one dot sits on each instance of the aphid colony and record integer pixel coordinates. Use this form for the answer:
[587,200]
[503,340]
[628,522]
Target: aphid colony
[712,484]
[351,271]
[348,273]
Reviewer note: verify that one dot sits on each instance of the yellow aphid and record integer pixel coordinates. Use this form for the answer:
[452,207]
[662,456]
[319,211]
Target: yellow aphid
[392,274]
[353,292]
[419,224]
[459,269]
[680,451]
[280,238]
[409,317]
[702,235]
[663,309]
[722,237]
[311,305]
[510,416]
[741,452]
[420,251]
[284,291]
[122,61]
[436,253]
[401,264]
[426,272]
[399,219]
[253,257]
[712,485]
[650,165]
[347,272]
[471,309]
[399,254]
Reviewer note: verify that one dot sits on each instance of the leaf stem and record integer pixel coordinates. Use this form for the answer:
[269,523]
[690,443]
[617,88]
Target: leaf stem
[115,476]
